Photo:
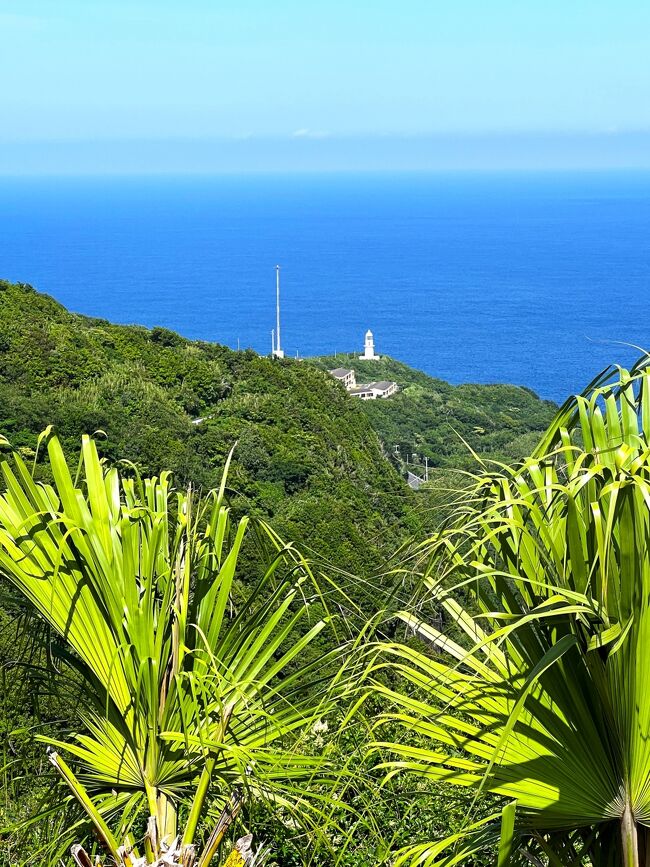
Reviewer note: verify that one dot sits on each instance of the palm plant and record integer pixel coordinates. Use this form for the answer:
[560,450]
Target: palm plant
[197,692]
[538,688]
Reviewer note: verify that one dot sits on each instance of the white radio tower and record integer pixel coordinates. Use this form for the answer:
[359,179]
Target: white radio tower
[278,352]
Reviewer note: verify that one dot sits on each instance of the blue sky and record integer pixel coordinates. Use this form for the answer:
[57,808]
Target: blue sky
[325,80]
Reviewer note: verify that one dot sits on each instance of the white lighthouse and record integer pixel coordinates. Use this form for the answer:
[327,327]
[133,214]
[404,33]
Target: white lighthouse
[369,348]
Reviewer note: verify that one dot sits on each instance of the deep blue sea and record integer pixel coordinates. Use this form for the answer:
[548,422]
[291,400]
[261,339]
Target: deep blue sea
[521,278]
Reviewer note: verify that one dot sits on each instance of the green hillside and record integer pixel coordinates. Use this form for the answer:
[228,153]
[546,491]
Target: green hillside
[306,456]
[430,417]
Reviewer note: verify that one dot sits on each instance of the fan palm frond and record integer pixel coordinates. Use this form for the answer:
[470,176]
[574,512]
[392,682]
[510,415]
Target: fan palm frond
[197,681]
[539,689]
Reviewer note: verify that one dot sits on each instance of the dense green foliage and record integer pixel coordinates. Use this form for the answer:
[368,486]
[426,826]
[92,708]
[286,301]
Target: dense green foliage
[430,417]
[32,702]
[306,455]
[309,457]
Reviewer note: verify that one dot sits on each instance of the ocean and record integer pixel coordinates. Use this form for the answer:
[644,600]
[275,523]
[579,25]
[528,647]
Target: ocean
[532,279]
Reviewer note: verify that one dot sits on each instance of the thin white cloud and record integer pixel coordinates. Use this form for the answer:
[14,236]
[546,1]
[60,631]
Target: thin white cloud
[309,133]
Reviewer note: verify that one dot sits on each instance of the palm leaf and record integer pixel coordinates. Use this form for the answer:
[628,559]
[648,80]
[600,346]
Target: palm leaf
[541,695]
[196,687]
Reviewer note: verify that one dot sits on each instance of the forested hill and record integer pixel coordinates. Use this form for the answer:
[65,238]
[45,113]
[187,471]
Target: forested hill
[306,455]
[309,457]
[445,422]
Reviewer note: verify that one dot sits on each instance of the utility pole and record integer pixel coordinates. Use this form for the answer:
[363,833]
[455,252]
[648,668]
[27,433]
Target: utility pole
[277,351]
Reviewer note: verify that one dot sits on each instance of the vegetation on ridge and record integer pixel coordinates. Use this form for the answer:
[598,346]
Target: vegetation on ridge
[446,423]
[306,456]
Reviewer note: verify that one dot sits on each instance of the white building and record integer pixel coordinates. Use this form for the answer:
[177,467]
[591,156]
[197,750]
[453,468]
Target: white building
[365,391]
[369,348]
[347,377]
[373,390]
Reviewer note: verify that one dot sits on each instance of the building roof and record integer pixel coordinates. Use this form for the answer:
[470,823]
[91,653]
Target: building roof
[382,385]
[340,372]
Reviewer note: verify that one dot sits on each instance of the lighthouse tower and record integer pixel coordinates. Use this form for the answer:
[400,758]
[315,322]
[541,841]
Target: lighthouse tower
[369,348]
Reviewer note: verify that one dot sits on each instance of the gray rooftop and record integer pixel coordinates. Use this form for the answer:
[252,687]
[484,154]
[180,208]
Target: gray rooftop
[340,372]
[383,385]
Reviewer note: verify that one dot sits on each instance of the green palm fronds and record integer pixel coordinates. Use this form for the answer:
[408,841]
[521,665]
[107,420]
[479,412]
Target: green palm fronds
[197,682]
[538,690]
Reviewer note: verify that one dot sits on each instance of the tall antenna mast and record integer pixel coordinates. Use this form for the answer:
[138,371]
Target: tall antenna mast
[278,351]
